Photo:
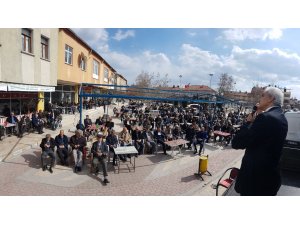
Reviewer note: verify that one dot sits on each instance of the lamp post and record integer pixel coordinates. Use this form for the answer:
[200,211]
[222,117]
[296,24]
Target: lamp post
[211,75]
[180,76]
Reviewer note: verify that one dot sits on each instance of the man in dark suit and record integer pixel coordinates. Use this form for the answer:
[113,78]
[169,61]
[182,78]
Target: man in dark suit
[61,142]
[48,145]
[263,137]
[100,151]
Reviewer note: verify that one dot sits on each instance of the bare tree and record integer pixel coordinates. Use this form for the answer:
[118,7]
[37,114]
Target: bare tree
[145,80]
[226,83]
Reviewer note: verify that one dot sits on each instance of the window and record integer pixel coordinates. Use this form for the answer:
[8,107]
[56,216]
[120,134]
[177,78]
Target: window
[83,63]
[95,69]
[68,54]
[44,47]
[27,40]
[105,74]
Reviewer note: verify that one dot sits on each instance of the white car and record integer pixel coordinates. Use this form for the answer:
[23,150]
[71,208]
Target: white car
[290,158]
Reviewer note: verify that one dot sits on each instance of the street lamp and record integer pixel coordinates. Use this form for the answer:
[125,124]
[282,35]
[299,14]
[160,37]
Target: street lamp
[211,75]
[180,76]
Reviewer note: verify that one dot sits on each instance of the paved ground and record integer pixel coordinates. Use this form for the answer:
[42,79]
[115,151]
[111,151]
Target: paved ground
[154,175]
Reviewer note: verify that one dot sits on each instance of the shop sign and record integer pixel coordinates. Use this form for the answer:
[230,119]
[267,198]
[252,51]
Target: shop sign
[30,88]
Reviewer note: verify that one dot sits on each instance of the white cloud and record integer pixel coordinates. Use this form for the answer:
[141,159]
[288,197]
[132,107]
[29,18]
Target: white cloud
[97,38]
[131,66]
[120,35]
[251,34]
[248,66]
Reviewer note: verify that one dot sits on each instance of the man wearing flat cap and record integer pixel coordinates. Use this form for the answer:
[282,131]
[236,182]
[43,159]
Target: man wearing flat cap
[100,151]
[78,142]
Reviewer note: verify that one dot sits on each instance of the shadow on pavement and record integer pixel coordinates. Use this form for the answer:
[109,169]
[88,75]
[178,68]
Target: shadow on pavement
[189,178]
[33,160]
[159,158]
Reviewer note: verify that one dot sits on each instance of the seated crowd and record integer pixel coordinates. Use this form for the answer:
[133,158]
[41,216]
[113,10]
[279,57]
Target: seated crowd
[141,129]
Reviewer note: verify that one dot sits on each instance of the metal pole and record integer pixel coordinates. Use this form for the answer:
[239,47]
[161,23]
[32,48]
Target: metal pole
[80,104]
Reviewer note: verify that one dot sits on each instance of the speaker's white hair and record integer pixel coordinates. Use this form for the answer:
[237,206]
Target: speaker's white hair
[277,94]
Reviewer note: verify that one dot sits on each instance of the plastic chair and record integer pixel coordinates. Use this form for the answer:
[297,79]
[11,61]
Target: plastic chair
[228,181]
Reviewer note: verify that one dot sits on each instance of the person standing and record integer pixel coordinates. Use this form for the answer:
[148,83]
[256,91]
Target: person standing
[263,137]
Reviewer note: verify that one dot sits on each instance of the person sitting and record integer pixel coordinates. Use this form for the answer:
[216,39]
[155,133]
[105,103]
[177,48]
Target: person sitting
[13,120]
[148,136]
[112,142]
[37,123]
[110,124]
[190,134]
[87,121]
[125,137]
[77,142]
[61,142]
[50,119]
[201,136]
[125,140]
[48,145]
[160,137]
[100,151]
[138,140]
[23,125]
[99,121]
[105,131]
[168,132]
[176,132]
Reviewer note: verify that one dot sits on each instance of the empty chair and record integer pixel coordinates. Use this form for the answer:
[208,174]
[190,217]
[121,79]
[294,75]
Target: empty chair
[228,181]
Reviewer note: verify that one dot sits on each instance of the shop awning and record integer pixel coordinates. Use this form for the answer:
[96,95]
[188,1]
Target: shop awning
[30,88]
[3,87]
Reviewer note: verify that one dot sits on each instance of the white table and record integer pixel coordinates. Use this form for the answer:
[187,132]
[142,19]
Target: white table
[125,150]
[176,144]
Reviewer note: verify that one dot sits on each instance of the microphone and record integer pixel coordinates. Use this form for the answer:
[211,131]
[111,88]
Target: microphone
[254,110]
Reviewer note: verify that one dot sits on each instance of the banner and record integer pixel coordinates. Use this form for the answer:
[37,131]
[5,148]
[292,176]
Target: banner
[30,88]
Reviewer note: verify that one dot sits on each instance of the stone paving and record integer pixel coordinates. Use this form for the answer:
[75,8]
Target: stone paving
[162,175]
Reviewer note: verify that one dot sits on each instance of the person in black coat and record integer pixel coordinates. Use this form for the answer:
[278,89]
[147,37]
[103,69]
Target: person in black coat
[112,142]
[161,137]
[137,138]
[263,137]
[37,123]
[48,145]
[61,142]
[100,151]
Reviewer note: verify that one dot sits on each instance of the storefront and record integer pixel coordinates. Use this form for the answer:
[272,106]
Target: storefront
[63,95]
[20,98]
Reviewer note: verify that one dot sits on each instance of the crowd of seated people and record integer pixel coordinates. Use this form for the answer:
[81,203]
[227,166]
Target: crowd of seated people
[31,122]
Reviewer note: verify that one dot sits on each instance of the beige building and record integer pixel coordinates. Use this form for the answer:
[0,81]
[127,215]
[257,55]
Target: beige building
[79,63]
[28,67]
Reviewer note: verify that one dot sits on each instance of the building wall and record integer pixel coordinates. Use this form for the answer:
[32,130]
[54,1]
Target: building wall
[24,68]
[72,73]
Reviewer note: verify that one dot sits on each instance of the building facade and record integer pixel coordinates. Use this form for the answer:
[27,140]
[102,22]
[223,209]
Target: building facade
[28,68]
[79,63]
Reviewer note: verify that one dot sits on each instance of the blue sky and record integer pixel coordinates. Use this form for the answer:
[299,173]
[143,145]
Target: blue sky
[251,56]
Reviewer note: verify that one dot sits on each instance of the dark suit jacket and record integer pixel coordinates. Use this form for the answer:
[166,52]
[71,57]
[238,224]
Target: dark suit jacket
[64,140]
[44,141]
[259,173]
[103,148]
